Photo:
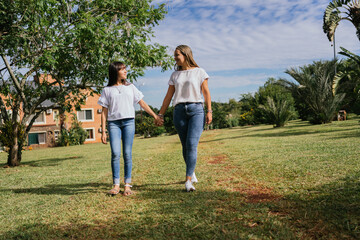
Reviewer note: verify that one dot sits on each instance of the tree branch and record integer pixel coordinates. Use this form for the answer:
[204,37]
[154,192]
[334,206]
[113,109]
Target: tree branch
[16,83]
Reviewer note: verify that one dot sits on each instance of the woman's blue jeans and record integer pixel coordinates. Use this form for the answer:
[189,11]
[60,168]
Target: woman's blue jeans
[121,131]
[189,120]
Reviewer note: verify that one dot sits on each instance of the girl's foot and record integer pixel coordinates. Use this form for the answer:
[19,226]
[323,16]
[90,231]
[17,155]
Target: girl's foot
[115,190]
[127,190]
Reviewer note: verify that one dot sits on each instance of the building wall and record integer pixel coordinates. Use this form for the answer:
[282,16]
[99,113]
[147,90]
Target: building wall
[51,126]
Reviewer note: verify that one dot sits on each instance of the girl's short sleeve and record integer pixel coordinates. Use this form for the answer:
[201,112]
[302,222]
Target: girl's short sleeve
[103,99]
[137,94]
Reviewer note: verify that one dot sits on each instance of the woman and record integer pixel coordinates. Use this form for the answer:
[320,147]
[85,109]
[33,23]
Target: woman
[187,84]
[117,101]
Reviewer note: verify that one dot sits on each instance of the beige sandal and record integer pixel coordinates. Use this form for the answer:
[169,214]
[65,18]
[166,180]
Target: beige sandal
[127,192]
[114,190]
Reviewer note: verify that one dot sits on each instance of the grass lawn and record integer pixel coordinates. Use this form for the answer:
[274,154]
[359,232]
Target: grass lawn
[258,182]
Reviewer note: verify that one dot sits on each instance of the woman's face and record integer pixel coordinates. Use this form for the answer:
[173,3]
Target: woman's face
[123,73]
[179,58]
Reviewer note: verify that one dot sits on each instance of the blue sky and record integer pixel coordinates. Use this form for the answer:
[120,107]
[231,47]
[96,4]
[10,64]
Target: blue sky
[242,43]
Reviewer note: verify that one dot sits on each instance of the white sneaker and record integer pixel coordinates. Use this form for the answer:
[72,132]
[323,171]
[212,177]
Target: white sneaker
[193,178]
[189,187]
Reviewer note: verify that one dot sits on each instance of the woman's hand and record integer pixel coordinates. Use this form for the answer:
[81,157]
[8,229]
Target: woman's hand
[103,137]
[208,118]
[159,121]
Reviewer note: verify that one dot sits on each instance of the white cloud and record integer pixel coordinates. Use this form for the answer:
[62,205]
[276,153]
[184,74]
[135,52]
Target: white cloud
[248,34]
[251,34]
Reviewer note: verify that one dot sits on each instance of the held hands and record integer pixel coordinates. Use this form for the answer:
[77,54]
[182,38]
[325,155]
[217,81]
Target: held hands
[159,120]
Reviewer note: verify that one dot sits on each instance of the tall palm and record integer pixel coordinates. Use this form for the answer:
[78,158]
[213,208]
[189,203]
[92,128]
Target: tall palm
[333,15]
[313,90]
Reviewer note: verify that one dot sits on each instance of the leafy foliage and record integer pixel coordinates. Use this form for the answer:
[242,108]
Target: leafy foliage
[333,15]
[314,91]
[67,46]
[76,135]
[278,111]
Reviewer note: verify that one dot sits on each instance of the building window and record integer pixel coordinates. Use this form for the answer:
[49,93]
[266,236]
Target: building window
[56,135]
[90,134]
[56,115]
[86,115]
[39,120]
[37,138]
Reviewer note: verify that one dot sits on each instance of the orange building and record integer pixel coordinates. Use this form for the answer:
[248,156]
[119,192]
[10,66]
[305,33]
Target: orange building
[46,128]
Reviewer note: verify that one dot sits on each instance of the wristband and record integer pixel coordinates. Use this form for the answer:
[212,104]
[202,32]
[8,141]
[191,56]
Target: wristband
[161,115]
[209,111]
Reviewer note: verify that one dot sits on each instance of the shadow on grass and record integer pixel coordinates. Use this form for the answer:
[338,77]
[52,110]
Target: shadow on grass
[48,162]
[63,189]
[331,211]
[276,133]
[168,213]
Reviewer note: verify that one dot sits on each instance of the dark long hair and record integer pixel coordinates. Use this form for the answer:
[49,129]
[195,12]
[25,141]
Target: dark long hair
[114,69]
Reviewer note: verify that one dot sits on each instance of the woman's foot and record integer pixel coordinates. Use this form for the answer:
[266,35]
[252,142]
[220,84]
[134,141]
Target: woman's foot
[193,178]
[188,186]
[115,190]
[127,190]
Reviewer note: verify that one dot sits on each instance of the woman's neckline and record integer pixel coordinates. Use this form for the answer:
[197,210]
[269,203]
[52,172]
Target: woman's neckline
[187,69]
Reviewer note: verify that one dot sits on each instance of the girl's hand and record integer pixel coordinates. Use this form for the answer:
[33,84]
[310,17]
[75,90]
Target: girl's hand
[159,121]
[208,118]
[103,137]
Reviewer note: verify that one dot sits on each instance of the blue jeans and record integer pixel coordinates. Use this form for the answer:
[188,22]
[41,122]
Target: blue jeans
[189,120]
[121,130]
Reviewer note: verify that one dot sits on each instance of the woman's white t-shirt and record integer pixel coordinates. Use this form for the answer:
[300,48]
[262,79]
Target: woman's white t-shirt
[120,100]
[188,85]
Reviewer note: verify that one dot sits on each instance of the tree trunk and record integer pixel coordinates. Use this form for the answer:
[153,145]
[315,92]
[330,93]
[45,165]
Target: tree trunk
[13,157]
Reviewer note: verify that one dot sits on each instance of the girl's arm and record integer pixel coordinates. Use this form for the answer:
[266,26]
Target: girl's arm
[104,114]
[206,92]
[147,109]
[167,99]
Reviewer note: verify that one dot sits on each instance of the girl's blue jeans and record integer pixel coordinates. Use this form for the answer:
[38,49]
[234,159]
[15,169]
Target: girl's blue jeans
[121,131]
[189,120]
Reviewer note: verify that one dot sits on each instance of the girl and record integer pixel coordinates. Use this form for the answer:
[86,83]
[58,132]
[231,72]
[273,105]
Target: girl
[187,84]
[117,101]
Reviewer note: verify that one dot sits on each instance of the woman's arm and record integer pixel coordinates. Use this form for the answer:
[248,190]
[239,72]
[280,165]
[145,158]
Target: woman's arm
[104,114]
[167,99]
[206,92]
[143,105]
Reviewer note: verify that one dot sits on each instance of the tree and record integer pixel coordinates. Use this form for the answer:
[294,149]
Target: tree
[279,111]
[73,41]
[347,80]
[333,15]
[314,90]
[277,93]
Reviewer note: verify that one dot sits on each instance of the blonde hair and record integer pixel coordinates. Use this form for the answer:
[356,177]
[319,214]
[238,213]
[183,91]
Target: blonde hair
[189,59]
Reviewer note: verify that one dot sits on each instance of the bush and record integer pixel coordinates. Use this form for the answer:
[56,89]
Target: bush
[76,135]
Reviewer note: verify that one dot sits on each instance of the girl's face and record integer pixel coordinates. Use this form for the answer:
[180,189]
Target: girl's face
[123,73]
[179,58]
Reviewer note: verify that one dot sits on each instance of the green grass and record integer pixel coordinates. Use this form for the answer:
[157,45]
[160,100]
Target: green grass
[256,182]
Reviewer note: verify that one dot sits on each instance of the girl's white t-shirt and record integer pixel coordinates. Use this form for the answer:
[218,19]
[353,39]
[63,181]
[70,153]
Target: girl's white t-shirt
[188,85]
[120,100]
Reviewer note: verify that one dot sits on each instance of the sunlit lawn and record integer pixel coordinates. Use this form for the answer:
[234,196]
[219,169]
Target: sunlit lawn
[256,182]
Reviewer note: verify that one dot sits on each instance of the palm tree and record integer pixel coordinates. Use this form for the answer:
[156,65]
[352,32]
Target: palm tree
[314,90]
[279,111]
[333,15]
[347,80]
